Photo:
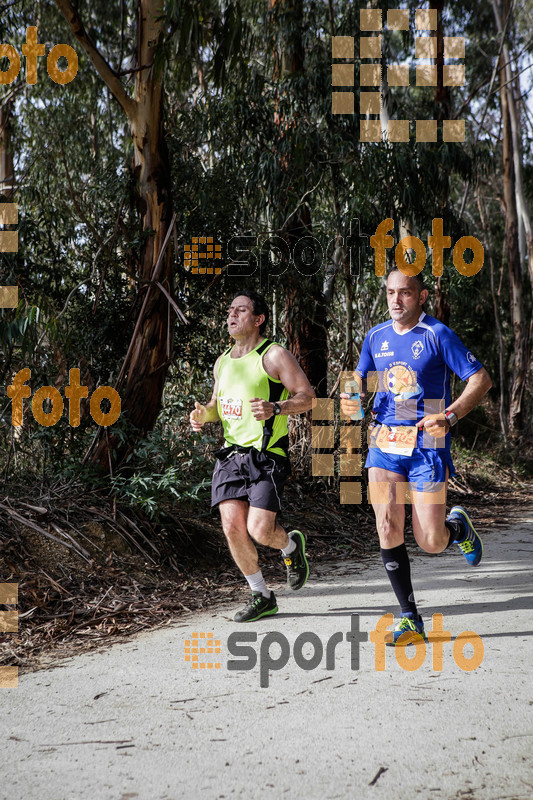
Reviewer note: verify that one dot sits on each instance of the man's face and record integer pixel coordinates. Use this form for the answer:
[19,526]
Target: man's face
[241,318]
[404,299]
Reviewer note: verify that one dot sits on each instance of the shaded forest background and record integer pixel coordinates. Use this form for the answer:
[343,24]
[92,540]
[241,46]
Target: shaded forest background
[194,119]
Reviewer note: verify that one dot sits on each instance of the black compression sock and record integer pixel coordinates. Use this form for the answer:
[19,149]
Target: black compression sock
[398,568]
[457,531]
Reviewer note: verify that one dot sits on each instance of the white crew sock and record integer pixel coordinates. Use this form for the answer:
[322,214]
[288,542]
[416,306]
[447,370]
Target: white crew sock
[257,583]
[290,547]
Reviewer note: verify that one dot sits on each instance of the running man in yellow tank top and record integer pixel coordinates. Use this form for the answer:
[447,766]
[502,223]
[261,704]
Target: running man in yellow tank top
[257,384]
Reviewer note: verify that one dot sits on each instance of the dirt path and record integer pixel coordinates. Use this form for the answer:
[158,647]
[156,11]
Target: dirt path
[136,720]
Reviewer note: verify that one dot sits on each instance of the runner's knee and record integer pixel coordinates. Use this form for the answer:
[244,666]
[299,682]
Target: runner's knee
[261,531]
[432,541]
[389,531]
[234,532]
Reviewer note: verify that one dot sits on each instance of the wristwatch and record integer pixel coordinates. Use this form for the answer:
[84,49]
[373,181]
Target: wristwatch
[277,409]
[451,418]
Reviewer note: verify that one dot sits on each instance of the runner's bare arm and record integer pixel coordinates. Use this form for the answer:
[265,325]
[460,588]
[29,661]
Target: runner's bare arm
[477,386]
[282,366]
[208,413]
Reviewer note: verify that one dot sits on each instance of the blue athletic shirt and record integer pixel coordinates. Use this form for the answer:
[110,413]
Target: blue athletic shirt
[413,371]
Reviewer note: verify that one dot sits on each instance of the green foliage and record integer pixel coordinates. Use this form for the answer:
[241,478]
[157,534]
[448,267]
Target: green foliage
[247,141]
[172,465]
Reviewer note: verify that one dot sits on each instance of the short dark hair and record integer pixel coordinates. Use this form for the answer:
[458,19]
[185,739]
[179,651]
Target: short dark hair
[259,305]
[418,279]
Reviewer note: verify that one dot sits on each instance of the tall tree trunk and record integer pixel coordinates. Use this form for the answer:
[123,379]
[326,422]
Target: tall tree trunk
[150,357]
[497,324]
[7,191]
[443,103]
[513,263]
[150,352]
[341,263]
[305,312]
[501,11]
[7,172]
[348,295]
[305,307]
[442,95]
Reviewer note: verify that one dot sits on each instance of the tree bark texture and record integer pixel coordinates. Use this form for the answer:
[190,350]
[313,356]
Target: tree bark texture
[511,86]
[7,172]
[150,354]
[304,306]
[443,104]
[520,344]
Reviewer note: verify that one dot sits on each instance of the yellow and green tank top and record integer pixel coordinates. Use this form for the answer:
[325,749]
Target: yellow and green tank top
[239,380]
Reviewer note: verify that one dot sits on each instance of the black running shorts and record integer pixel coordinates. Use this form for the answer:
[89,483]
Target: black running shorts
[257,478]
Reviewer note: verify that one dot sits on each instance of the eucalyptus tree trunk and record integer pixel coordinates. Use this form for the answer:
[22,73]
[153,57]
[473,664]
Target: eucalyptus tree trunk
[149,355]
[501,10]
[7,172]
[497,323]
[443,104]
[305,305]
[520,345]
[7,191]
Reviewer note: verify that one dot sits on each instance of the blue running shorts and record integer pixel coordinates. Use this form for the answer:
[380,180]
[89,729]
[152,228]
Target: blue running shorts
[424,470]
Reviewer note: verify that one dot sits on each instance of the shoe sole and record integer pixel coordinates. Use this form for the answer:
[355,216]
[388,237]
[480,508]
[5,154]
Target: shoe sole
[413,639]
[268,613]
[297,588]
[459,510]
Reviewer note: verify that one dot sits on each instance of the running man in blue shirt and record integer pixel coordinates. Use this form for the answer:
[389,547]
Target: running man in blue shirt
[410,359]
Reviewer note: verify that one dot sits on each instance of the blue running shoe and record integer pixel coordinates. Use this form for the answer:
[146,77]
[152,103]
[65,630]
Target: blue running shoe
[471,546]
[412,628]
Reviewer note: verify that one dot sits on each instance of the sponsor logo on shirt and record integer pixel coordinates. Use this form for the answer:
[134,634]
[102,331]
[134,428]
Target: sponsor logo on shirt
[471,357]
[416,348]
[231,407]
[400,379]
[384,350]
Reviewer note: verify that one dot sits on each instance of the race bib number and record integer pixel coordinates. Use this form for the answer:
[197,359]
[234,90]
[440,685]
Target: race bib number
[231,407]
[398,440]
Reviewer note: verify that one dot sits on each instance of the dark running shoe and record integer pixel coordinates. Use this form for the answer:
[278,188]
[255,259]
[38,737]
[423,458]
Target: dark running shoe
[471,546]
[259,606]
[296,563]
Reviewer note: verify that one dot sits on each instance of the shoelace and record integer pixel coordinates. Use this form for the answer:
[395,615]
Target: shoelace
[467,546]
[407,624]
[257,600]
